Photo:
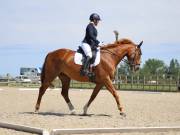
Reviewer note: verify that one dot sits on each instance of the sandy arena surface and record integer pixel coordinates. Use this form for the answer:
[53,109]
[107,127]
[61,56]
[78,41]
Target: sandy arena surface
[142,109]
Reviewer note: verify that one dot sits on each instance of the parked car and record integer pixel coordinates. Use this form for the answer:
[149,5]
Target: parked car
[23,79]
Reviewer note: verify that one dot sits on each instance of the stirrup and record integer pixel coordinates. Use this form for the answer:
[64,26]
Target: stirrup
[91,76]
[84,72]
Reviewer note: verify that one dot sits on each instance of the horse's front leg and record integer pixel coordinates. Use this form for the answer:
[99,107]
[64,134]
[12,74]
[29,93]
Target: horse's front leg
[93,95]
[112,90]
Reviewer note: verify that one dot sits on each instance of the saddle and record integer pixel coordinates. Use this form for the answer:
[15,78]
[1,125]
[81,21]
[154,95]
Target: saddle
[94,54]
[90,75]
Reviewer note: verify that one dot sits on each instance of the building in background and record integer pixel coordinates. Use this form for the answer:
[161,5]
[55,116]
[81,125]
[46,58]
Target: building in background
[27,71]
[29,74]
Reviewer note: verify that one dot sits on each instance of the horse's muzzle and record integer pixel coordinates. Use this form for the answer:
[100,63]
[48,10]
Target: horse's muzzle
[136,67]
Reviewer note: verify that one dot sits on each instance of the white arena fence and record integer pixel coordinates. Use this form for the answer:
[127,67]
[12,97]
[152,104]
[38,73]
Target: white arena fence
[87,130]
[24,128]
[156,82]
[113,130]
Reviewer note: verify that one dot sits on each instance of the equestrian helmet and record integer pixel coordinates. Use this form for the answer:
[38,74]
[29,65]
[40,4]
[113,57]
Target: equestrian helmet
[94,16]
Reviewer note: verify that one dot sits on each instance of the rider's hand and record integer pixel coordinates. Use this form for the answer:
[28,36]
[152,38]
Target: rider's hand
[100,44]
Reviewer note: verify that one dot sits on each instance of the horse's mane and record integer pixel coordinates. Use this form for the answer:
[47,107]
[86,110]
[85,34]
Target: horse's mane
[119,42]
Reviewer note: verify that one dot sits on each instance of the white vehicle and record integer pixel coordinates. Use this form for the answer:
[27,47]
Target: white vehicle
[23,79]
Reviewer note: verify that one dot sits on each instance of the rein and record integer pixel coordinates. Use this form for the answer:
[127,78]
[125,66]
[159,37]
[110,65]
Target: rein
[131,62]
[125,60]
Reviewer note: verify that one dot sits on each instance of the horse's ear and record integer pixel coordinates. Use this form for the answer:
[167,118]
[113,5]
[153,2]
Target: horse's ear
[139,46]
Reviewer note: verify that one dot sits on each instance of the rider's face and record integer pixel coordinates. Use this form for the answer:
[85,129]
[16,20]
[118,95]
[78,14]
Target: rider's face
[96,22]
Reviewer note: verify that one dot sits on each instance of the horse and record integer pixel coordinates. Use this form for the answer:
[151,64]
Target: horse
[60,63]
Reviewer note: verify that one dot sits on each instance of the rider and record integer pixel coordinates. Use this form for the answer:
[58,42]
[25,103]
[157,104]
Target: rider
[90,41]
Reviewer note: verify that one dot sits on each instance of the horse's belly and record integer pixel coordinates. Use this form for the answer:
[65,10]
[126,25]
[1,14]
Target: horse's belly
[74,73]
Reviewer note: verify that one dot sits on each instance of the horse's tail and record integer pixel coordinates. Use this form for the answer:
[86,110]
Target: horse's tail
[43,70]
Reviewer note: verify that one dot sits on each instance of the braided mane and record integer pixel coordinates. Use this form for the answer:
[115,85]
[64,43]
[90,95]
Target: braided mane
[119,42]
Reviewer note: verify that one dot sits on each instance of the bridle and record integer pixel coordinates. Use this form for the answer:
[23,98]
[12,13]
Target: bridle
[132,60]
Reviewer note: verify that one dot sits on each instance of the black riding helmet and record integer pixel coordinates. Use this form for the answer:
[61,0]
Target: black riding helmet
[94,16]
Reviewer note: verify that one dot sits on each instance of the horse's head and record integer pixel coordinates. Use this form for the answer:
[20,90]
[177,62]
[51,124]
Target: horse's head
[125,47]
[134,57]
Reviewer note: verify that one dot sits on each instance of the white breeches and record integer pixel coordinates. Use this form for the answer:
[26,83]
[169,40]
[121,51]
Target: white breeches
[87,49]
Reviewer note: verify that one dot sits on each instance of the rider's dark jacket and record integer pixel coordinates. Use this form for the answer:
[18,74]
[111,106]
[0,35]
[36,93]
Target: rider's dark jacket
[91,36]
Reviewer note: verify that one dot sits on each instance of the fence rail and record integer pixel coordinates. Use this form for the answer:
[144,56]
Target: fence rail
[150,83]
[153,83]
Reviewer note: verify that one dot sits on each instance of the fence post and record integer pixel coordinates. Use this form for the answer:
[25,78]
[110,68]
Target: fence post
[126,82]
[132,81]
[8,82]
[170,83]
[138,82]
[144,82]
[119,82]
[156,82]
[178,83]
[126,79]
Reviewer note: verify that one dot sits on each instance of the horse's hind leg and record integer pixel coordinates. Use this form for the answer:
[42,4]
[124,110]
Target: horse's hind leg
[65,91]
[42,90]
[45,84]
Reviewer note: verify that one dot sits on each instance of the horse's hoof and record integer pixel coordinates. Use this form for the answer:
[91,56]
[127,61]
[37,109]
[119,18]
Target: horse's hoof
[36,112]
[84,114]
[123,114]
[73,112]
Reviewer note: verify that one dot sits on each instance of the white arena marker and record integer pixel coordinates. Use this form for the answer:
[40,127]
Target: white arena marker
[113,130]
[24,128]
[1,89]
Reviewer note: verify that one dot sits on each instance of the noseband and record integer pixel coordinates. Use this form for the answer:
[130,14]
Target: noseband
[131,62]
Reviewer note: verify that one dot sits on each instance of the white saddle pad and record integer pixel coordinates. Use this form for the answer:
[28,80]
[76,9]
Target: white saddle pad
[78,58]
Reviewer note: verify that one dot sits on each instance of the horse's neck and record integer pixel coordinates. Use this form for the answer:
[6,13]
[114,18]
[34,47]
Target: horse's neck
[119,53]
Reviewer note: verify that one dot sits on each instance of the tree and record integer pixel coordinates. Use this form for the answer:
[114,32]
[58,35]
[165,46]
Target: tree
[124,69]
[153,67]
[174,68]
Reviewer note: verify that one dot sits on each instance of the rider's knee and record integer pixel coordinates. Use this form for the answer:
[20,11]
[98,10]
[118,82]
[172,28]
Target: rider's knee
[89,54]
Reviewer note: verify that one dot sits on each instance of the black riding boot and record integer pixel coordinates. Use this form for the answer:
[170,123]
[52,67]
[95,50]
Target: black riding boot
[85,67]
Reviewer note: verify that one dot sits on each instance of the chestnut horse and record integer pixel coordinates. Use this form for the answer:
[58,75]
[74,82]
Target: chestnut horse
[60,63]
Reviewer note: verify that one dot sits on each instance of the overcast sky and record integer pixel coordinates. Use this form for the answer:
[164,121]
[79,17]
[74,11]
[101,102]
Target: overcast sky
[29,29]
